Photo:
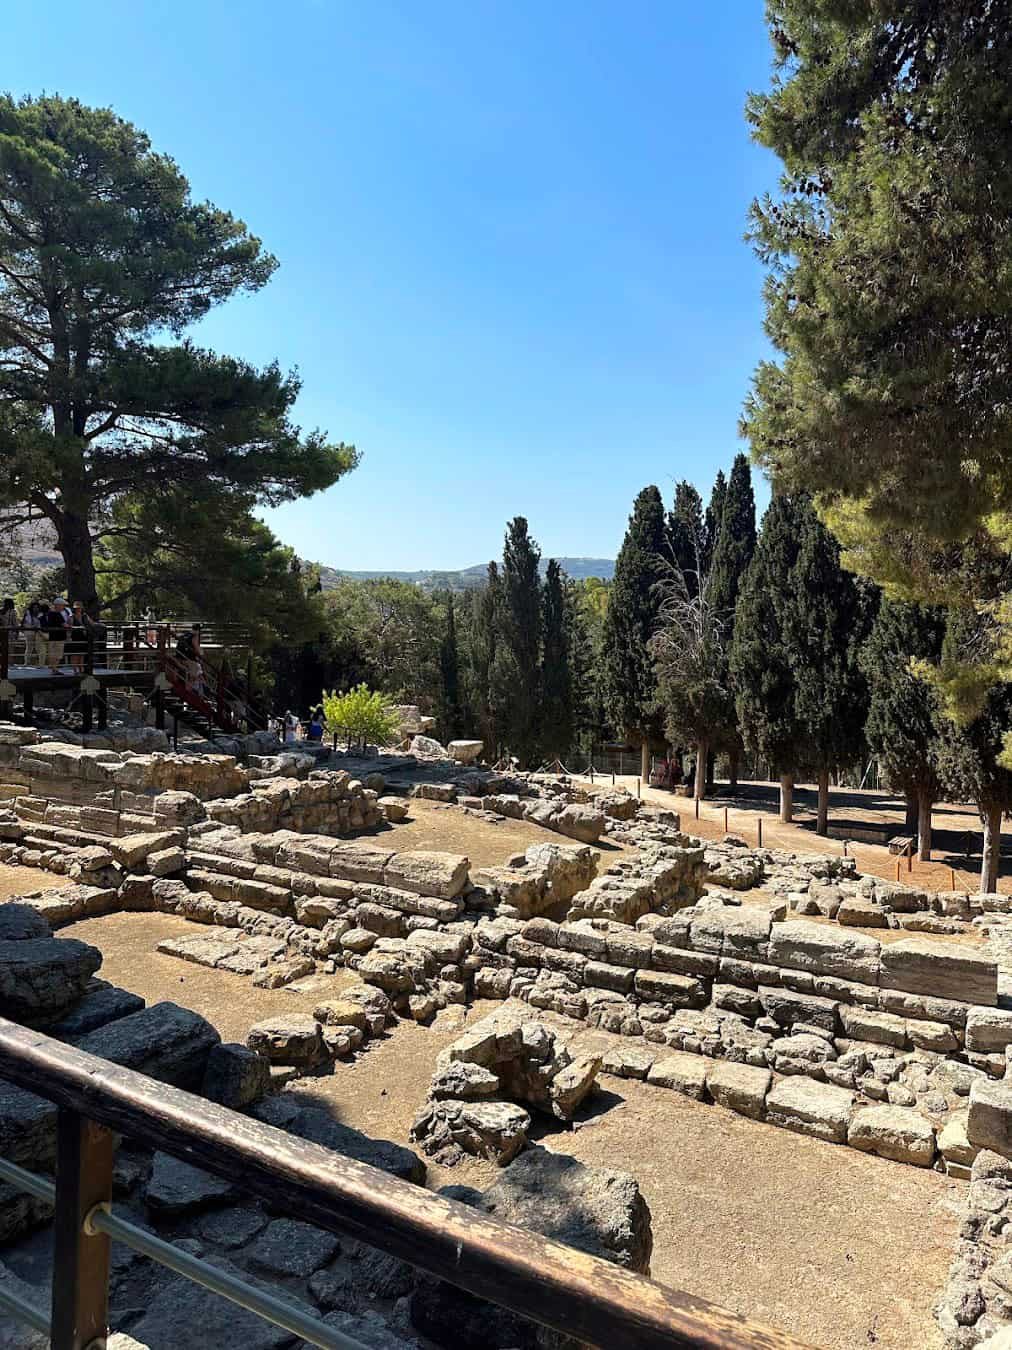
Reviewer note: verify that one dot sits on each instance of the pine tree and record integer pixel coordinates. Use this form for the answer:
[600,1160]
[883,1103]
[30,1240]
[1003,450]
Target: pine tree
[760,657]
[687,534]
[629,683]
[449,669]
[516,676]
[903,724]
[820,626]
[556,672]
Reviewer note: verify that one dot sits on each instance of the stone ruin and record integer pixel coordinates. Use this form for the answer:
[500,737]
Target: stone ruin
[785,1007]
[480,1080]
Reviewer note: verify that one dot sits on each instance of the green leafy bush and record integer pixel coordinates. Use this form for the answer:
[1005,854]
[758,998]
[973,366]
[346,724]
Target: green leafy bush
[363,714]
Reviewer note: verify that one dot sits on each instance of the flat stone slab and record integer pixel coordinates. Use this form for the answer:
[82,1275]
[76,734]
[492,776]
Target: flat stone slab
[681,1072]
[807,1107]
[98,1007]
[290,1248]
[175,1188]
[823,950]
[739,1087]
[894,1132]
[942,969]
[201,949]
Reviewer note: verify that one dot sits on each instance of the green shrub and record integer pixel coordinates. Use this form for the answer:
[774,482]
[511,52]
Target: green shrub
[363,714]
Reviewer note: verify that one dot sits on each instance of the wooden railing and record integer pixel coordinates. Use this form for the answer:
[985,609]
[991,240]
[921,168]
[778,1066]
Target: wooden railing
[558,1286]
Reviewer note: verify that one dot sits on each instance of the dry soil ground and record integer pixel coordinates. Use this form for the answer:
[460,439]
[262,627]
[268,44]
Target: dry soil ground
[440,825]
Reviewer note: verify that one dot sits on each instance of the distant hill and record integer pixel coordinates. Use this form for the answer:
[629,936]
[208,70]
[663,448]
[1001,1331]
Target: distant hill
[467,578]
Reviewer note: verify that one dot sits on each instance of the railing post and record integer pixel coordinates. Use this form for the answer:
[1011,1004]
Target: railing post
[5,652]
[80,1305]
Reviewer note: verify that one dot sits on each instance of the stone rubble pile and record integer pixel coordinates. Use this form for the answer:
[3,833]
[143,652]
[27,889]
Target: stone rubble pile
[474,1103]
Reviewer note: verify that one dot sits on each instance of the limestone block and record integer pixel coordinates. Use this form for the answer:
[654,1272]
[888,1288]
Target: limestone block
[681,1072]
[988,1030]
[808,1107]
[894,1132]
[132,849]
[680,991]
[739,1087]
[856,912]
[989,1123]
[954,1142]
[822,950]
[787,1007]
[443,875]
[292,1038]
[941,969]
[863,1024]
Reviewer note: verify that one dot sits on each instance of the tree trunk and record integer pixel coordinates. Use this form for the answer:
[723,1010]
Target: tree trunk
[79,561]
[711,767]
[733,761]
[645,761]
[924,805]
[702,754]
[912,811]
[822,819]
[786,797]
[991,858]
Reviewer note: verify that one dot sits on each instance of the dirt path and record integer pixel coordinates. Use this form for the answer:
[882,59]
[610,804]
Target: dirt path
[755,801]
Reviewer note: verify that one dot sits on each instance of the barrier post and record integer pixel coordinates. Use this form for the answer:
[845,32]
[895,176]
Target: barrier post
[759,832]
[952,878]
[725,820]
[638,782]
[897,869]
[80,1301]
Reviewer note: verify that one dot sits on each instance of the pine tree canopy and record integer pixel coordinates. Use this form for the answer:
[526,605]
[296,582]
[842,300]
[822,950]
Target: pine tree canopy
[627,669]
[104,261]
[890,292]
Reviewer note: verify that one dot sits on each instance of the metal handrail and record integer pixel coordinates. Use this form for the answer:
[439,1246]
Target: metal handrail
[539,1279]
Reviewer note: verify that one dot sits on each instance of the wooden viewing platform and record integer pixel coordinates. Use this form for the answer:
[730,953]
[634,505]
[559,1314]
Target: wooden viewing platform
[142,658]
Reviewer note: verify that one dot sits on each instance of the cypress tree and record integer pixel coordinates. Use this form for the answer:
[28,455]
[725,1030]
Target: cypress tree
[760,658]
[820,625]
[903,724]
[712,521]
[736,537]
[517,664]
[449,670]
[588,713]
[556,672]
[479,647]
[687,534]
[629,684]
[732,553]
[970,756]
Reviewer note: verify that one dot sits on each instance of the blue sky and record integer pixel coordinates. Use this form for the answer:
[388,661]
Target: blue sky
[510,234]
